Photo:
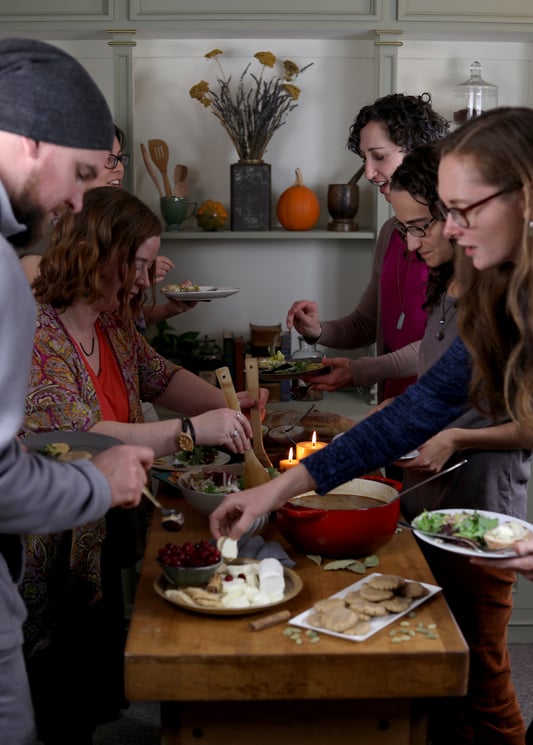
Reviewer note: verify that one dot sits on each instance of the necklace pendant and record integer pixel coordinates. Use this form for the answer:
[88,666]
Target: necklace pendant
[399,322]
[439,336]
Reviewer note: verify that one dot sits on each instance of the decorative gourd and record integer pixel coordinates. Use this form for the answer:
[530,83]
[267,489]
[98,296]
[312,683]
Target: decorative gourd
[211,215]
[298,207]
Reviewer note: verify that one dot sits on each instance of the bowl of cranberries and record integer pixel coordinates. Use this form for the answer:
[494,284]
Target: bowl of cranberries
[189,564]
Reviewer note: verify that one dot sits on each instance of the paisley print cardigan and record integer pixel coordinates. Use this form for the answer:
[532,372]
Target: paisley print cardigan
[61,396]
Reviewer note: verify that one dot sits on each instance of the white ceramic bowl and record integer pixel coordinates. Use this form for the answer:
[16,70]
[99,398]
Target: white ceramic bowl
[205,503]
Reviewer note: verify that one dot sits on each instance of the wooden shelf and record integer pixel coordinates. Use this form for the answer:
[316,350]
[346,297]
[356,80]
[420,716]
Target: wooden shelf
[277,234]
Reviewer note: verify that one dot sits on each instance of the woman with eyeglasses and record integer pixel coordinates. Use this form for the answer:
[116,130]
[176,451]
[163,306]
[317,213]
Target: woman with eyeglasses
[113,175]
[389,312]
[494,478]
[485,183]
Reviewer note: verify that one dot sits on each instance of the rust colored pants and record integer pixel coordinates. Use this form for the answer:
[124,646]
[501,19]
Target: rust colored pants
[481,600]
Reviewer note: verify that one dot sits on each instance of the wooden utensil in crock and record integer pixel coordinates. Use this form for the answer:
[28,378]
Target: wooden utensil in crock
[254,472]
[150,169]
[159,153]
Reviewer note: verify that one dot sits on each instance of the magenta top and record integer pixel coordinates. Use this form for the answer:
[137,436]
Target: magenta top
[403,292]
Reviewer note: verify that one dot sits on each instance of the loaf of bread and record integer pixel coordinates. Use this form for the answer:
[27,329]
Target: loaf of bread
[505,535]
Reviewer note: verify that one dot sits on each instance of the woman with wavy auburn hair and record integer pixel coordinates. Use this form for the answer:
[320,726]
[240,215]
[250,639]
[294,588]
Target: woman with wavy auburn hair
[90,370]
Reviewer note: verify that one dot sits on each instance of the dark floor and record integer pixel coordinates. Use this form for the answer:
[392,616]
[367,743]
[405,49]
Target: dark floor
[139,725]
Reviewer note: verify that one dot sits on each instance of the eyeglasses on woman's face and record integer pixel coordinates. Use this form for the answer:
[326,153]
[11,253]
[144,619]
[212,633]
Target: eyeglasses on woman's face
[459,214]
[417,231]
[113,160]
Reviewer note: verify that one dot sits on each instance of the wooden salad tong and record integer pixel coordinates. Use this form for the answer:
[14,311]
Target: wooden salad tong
[150,169]
[254,473]
[251,371]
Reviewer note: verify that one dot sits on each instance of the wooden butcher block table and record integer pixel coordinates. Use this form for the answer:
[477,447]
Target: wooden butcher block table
[221,683]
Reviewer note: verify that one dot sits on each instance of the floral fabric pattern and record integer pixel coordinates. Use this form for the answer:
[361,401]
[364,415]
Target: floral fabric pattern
[61,396]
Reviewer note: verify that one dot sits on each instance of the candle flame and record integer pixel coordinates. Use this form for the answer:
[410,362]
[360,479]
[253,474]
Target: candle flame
[291,453]
[313,439]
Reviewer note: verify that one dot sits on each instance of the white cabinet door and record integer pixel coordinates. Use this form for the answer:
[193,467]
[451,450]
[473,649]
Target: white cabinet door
[463,11]
[60,10]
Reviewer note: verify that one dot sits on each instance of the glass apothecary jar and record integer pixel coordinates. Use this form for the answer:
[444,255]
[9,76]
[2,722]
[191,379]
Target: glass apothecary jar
[473,96]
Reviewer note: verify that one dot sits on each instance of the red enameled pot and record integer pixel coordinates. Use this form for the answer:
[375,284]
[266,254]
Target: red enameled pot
[343,533]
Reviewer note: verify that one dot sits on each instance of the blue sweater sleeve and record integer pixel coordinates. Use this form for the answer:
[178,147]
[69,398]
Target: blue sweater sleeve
[435,400]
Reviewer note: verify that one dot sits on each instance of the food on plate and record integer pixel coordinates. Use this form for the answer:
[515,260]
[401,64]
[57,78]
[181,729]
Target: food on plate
[324,423]
[200,455]
[54,449]
[234,586]
[487,532]
[61,451]
[186,286]
[381,596]
[215,482]
[267,364]
[505,535]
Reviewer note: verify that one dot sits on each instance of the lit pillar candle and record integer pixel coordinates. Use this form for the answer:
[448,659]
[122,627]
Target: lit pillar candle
[287,463]
[303,449]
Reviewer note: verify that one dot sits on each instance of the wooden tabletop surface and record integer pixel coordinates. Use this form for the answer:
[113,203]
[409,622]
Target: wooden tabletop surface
[177,655]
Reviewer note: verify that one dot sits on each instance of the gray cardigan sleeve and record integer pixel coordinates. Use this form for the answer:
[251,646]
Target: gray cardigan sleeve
[400,364]
[362,326]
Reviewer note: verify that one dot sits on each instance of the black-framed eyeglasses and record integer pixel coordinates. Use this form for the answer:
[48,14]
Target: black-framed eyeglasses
[417,231]
[113,160]
[459,214]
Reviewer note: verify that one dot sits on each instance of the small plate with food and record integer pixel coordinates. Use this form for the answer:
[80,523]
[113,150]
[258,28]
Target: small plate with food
[295,368]
[69,445]
[234,590]
[192,292]
[365,607]
[200,455]
[493,533]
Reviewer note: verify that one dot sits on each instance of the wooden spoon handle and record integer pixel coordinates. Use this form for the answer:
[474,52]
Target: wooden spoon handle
[226,383]
[150,169]
[252,386]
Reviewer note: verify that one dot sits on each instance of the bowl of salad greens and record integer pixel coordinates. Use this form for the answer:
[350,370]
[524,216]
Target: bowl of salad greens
[205,488]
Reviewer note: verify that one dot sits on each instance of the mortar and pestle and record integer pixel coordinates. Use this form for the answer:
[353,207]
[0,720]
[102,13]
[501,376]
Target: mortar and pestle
[343,203]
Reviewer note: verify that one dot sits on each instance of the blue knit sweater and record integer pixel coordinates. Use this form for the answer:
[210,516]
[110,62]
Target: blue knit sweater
[435,400]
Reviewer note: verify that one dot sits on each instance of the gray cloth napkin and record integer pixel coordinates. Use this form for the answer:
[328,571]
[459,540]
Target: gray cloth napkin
[256,548]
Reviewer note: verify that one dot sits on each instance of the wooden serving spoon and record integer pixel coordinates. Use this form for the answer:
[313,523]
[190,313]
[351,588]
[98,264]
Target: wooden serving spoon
[254,472]
[251,371]
[159,153]
[180,180]
[150,169]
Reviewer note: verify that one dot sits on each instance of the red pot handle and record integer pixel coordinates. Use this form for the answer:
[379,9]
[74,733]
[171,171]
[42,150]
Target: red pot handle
[301,512]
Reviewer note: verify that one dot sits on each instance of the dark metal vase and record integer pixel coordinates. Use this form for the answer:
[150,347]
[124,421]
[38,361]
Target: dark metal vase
[250,196]
[343,203]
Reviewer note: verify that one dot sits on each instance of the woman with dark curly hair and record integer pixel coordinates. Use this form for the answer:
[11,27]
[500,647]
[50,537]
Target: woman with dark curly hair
[389,312]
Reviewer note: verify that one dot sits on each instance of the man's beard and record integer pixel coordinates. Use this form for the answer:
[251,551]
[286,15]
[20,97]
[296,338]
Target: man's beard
[28,212]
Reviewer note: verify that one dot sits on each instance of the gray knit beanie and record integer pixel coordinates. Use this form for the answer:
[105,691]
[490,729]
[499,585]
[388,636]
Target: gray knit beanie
[47,95]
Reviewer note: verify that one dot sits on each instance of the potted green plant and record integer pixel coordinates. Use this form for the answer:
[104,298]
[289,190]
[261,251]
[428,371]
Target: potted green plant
[180,348]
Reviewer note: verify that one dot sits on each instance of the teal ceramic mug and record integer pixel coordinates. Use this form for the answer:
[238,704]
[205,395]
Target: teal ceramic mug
[175,211]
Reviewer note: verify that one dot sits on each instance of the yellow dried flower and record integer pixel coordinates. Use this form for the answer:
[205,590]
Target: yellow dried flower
[292,90]
[255,107]
[266,58]
[291,69]
[200,91]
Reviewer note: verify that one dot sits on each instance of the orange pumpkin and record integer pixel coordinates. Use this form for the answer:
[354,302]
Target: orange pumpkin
[298,207]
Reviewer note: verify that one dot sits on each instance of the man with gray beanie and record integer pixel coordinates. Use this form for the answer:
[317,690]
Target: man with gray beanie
[56,132]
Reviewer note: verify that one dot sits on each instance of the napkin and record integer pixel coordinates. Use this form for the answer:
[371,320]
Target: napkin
[257,548]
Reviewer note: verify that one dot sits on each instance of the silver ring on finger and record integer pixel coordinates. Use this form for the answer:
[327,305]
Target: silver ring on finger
[237,415]
[235,434]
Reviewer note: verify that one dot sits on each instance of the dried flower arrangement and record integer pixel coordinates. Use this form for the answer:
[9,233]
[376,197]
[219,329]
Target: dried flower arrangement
[256,111]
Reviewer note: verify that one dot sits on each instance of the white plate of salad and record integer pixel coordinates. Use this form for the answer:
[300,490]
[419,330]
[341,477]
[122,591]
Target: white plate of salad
[472,524]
